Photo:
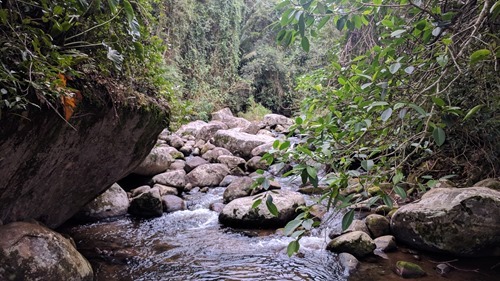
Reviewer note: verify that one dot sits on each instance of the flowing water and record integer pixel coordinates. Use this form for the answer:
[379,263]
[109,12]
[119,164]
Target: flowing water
[191,245]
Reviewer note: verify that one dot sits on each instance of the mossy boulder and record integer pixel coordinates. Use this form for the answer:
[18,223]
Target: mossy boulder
[458,221]
[113,202]
[409,270]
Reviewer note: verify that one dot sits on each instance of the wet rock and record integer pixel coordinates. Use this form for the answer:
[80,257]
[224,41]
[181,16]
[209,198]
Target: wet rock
[157,161]
[193,162]
[239,143]
[386,243]
[208,131]
[207,175]
[409,270]
[175,178]
[30,251]
[458,221]
[231,161]
[172,203]
[217,207]
[256,163]
[356,243]
[147,204]
[113,202]
[239,212]
[166,190]
[490,183]
[348,262]
[378,225]
[240,187]
[214,154]
[443,269]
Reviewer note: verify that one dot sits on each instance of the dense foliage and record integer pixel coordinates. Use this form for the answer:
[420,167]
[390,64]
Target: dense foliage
[46,43]
[410,96]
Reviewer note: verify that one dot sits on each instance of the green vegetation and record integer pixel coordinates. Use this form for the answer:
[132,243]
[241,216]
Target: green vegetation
[409,96]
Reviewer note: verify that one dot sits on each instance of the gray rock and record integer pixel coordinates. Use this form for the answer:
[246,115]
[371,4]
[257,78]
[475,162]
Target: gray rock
[30,251]
[175,141]
[139,190]
[214,154]
[349,262]
[378,225]
[191,128]
[157,161]
[166,190]
[458,221]
[208,131]
[273,120]
[147,204]
[226,116]
[240,187]
[239,143]
[178,165]
[358,225]
[227,180]
[207,175]
[262,149]
[193,162]
[256,163]
[490,183]
[175,178]
[172,203]
[186,150]
[231,161]
[239,212]
[356,243]
[176,154]
[206,147]
[265,132]
[113,202]
[164,134]
[253,128]
[386,243]
[216,207]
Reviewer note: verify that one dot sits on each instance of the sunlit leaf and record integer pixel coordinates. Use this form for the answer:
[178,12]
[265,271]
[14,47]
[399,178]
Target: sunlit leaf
[291,226]
[256,203]
[473,111]
[393,68]
[479,55]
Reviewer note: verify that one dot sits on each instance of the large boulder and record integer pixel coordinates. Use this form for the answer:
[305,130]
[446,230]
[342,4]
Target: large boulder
[207,175]
[172,203]
[193,162]
[147,204]
[208,131]
[175,178]
[191,128]
[378,225]
[356,243]
[458,221]
[158,161]
[240,187]
[272,120]
[113,202]
[213,154]
[239,212]
[30,251]
[226,116]
[49,168]
[239,143]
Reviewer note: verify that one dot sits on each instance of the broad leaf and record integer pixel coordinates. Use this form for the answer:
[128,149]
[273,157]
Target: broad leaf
[400,191]
[347,219]
[271,207]
[479,55]
[291,226]
[305,43]
[393,68]
[386,114]
[292,248]
[439,136]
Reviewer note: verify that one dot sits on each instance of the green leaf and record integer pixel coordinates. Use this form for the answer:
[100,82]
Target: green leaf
[312,172]
[442,60]
[347,219]
[305,44]
[291,226]
[398,177]
[386,114]
[256,203]
[387,200]
[323,21]
[113,4]
[270,206]
[410,69]
[479,55]
[308,224]
[439,136]
[293,248]
[438,101]
[400,191]
[393,68]
[302,26]
[473,111]
[285,145]
[286,16]
[418,109]
[367,165]
[398,33]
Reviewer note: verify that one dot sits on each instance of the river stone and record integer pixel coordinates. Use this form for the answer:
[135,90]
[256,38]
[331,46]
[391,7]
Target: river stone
[208,131]
[30,251]
[348,262]
[238,188]
[164,134]
[175,178]
[207,175]
[262,149]
[386,243]
[113,202]
[253,128]
[175,141]
[239,212]
[225,115]
[256,163]
[231,161]
[147,204]
[356,243]
[272,120]
[239,143]
[172,203]
[166,190]
[193,162]
[191,128]
[378,225]
[356,225]
[139,190]
[157,161]
[490,183]
[174,153]
[409,270]
[178,165]
[458,221]
[214,154]
[227,180]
